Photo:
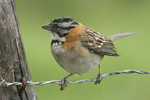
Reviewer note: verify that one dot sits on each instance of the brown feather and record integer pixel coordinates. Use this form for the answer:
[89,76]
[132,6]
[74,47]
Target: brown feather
[98,43]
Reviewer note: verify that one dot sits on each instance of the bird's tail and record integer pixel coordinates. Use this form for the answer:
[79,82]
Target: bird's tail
[121,35]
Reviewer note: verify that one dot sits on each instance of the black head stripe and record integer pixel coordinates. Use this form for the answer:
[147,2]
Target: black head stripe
[57,20]
[67,19]
[62,19]
[74,23]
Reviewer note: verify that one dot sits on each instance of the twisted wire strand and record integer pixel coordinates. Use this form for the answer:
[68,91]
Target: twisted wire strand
[6,84]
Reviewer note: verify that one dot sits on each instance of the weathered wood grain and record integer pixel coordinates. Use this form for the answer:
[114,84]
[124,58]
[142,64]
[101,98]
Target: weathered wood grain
[13,63]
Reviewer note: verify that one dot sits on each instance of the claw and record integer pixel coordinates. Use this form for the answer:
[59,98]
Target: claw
[63,82]
[98,79]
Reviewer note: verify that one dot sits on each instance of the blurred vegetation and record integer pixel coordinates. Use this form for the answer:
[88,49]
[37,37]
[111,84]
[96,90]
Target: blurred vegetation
[105,16]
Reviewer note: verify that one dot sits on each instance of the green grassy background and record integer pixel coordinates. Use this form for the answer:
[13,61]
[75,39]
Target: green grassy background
[105,16]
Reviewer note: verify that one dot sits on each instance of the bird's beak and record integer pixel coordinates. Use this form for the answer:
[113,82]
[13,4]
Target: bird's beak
[47,26]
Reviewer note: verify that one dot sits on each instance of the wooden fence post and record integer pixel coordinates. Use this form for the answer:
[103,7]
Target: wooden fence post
[13,63]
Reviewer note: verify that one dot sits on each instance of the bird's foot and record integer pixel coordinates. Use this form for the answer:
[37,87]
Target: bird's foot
[98,79]
[63,83]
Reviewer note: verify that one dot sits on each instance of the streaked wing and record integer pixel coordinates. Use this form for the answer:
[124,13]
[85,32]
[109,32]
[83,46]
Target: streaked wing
[98,43]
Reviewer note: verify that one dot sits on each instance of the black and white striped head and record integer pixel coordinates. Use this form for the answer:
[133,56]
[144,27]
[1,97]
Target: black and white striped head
[60,27]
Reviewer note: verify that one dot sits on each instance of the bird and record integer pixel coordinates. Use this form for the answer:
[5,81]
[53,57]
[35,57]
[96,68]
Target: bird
[79,49]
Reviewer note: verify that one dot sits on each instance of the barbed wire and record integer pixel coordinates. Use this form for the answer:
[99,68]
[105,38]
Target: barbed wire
[3,83]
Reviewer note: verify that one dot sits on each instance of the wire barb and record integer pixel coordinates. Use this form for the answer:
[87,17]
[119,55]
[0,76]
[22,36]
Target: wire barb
[3,83]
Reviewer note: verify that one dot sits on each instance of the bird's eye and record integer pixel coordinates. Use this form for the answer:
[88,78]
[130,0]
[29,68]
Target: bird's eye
[57,27]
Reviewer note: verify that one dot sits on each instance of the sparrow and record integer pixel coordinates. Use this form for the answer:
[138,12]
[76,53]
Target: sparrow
[79,49]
